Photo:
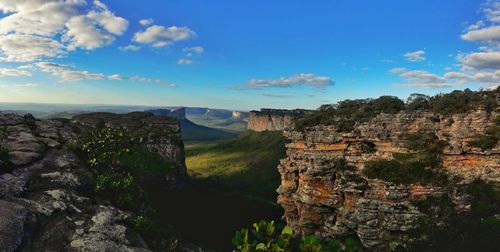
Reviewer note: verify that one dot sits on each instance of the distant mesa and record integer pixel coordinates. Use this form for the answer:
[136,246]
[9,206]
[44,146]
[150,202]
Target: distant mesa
[273,119]
[179,113]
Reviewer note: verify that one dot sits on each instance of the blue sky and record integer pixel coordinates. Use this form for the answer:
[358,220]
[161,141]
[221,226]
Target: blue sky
[244,54]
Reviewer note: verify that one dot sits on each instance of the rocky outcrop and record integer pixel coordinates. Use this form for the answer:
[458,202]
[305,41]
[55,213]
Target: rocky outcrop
[273,119]
[46,191]
[157,134]
[321,196]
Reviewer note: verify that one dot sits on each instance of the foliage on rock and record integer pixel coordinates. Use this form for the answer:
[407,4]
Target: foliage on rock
[345,114]
[270,237]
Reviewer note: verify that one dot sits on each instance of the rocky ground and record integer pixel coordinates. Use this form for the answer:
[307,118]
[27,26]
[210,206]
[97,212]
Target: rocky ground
[46,201]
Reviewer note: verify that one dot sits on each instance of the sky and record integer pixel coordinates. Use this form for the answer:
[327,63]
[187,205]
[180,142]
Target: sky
[244,54]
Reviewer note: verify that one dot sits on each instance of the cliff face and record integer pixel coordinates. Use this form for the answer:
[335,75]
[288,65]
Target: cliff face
[321,197]
[158,134]
[46,191]
[272,119]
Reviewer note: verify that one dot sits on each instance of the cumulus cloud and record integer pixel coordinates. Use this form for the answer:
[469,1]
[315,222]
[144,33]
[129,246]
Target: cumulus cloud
[424,79]
[481,60]
[36,29]
[160,36]
[25,48]
[486,31]
[12,72]
[420,78]
[146,21]
[491,34]
[415,56]
[303,79]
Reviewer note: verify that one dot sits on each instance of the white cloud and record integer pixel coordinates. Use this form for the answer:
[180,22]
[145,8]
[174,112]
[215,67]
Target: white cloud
[96,29]
[12,72]
[481,60]
[66,73]
[415,56]
[185,62]
[130,48]
[421,79]
[146,22]
[194,49]
[116,77]
[25,48]
[491,34]
[303,79]
[398,70]
[160,36]
[35,29]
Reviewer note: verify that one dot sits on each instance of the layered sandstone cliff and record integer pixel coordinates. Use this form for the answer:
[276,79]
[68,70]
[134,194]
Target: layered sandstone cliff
[273,119]
[320,196]
[46,191]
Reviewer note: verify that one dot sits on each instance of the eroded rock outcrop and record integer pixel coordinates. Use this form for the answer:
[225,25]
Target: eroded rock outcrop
[320,196]
[273,119]
[46,192]
[158,134]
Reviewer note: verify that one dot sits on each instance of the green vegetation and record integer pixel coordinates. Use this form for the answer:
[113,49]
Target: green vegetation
[269,237]
[121,169]
[423,166]
[247,162]
[367,147]
[194,133]
[489,139]
[345,114]
[476,230]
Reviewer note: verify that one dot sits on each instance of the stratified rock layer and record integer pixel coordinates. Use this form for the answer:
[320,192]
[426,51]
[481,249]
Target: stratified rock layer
[273,119]
[320,196]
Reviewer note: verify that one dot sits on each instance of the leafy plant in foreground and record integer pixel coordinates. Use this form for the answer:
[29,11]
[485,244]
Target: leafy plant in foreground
[270,237]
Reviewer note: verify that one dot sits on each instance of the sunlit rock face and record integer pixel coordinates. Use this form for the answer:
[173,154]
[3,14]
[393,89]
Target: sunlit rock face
[321,197]
[273,119]
[46,191]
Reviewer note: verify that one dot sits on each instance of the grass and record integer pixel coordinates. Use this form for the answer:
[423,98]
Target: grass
[194,133]
[247,162]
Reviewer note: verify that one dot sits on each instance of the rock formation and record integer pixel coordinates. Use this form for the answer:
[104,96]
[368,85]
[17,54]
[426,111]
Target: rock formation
[46,191]
[273,119]
[320,196]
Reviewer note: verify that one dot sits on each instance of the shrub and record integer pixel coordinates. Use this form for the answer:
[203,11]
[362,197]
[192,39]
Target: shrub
[268,236]
[489,139]
[367,147]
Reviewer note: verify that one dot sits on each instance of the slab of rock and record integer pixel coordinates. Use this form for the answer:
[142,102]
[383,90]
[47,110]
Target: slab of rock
[22,158]
[11,225]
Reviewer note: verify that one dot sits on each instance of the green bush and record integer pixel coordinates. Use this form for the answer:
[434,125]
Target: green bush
[345,114]
[119,165]
[367,147]
[408,168]
[270,237]
[489,139]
